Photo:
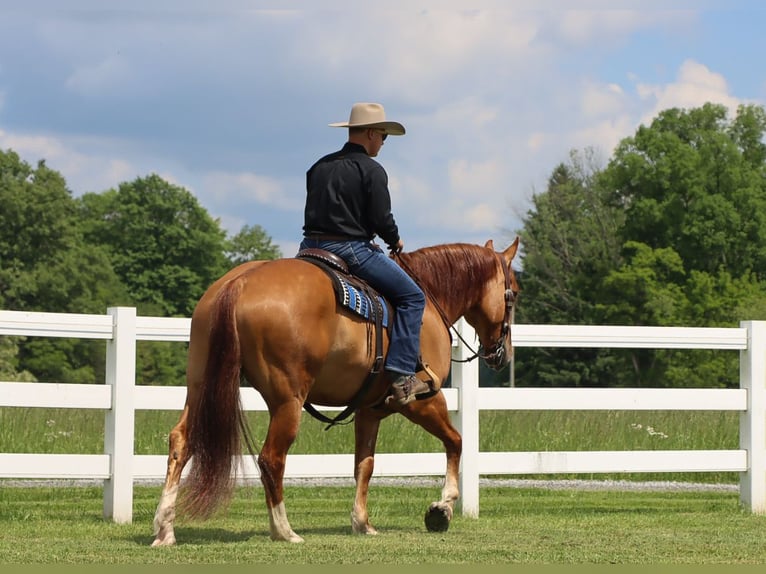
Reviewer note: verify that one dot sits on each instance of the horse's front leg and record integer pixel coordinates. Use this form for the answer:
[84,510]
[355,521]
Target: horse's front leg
[366,425]
[433,416]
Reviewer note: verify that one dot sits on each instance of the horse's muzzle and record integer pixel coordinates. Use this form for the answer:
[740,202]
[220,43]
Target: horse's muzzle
[497,357]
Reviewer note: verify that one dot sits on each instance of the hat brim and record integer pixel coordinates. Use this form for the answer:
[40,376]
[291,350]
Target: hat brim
[392,128]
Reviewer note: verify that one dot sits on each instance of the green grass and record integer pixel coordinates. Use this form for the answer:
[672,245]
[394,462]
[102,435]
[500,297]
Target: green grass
[64,525]
[82,431]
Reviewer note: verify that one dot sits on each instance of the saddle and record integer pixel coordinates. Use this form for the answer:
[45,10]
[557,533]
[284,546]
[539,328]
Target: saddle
[351,292]
[360,298]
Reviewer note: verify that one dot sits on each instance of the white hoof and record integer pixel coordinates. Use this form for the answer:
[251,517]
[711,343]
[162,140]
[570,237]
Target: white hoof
[361,527]
[165,541]
[291,537]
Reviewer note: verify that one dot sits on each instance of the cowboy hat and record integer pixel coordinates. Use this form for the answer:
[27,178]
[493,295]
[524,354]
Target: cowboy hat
[364,115]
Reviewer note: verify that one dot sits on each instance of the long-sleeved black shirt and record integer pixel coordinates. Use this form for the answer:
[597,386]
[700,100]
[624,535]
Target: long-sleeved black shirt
[347,195]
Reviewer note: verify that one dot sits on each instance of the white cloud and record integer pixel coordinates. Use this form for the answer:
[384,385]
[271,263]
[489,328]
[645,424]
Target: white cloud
[584,25]
[469,179]
[600,100]
[234,188]
[411,189]
[604,135]
[695,85]
[608,113]
[466,206]
[427,52]
[83,170]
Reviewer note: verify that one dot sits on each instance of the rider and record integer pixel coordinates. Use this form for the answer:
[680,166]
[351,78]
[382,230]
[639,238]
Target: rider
[347,205]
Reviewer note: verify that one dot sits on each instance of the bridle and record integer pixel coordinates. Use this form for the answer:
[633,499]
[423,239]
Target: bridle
[496,353]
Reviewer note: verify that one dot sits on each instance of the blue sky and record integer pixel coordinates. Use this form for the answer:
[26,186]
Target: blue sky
[232,100]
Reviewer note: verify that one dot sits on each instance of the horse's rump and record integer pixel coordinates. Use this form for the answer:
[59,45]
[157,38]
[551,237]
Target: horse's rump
[294,331]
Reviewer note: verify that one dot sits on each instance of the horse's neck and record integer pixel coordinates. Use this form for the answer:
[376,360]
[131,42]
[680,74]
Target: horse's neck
[451,306]
[450,295]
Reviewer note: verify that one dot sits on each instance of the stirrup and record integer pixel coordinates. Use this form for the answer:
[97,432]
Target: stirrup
[406,388]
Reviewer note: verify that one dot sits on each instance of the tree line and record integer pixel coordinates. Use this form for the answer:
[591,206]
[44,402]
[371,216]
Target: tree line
[147,243]
[670,230]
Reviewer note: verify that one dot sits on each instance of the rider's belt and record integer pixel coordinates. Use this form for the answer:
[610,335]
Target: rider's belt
[327,237]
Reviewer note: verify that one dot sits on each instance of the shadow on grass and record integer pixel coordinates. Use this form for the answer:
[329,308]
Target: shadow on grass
[189,535]
[192,535]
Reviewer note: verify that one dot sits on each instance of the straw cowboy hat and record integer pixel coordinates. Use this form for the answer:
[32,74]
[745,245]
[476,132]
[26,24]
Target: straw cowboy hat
[364,115]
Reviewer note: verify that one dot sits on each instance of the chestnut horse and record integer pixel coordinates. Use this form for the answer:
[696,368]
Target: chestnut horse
[277,325]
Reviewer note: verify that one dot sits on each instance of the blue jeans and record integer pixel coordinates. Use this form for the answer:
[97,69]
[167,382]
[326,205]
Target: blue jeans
[368,261]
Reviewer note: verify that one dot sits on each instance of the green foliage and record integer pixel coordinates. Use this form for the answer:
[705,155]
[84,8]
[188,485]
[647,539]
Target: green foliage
[645,289]
[162,244]
[570,242]
[147,243]
[684,200]
[252,243]
[689,182]
[9,361]
[45,265]
[161,363]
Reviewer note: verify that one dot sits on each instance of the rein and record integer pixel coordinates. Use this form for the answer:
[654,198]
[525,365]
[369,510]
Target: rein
[497,348]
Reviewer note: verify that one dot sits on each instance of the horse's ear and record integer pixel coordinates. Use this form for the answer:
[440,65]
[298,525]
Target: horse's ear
[510,253]
[489,245]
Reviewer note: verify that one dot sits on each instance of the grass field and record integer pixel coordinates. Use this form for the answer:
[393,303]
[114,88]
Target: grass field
[517,525]
[529,526]
[80,431]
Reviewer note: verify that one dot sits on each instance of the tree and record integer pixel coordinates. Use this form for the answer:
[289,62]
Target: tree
[46,266]
[163,245]
[250,244]
[687,197]
[694,181]
[570,243]
[166,249]
[9,361]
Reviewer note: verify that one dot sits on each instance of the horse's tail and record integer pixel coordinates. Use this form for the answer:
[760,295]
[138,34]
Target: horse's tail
[216,423]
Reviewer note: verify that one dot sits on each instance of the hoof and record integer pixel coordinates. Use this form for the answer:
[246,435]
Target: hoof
[169,541]
[292,538]
[438,517]
[364,528]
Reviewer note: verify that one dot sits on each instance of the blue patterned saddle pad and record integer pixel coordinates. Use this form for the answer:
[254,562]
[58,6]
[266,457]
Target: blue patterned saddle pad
[357,301]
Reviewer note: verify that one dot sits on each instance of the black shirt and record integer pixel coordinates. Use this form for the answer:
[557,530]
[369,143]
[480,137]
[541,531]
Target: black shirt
[347,195]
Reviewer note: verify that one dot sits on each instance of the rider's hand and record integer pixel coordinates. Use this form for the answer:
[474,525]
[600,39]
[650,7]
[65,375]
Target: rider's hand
[398,247]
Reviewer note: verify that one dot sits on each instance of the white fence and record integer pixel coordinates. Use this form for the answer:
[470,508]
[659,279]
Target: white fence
[121,397]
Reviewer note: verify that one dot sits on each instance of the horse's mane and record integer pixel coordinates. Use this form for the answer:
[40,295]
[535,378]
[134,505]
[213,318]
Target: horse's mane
[454,274]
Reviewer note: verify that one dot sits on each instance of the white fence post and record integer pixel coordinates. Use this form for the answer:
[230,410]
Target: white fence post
[752,422]
[120,419]
[465,378]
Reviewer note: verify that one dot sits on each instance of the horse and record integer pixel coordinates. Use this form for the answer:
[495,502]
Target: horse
[278,326]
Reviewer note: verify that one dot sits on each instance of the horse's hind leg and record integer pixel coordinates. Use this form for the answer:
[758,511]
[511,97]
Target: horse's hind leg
[283,428]
[366,426]
[433,416]
[166,509]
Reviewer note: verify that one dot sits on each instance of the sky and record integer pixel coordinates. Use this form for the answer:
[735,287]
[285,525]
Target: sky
[231,99]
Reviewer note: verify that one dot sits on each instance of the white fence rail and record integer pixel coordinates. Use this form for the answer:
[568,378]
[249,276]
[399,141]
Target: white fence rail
[121,397]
